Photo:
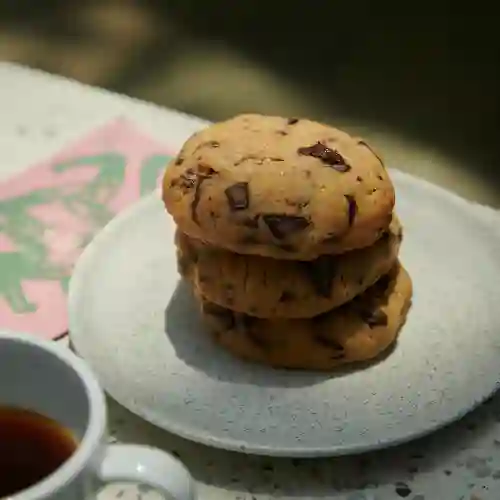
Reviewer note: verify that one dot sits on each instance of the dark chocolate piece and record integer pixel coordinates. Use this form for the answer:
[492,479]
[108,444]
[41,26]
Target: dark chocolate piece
[179,160]
[203,173]
[352,208]
[282,225]
[330,157]
[374,318]
[238,196]
[292,121]
[329,343]
[321,272]
[359,178]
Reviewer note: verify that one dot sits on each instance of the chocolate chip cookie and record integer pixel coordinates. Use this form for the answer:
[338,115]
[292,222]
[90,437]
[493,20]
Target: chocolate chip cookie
[359,330]
[267,288]
[277,187]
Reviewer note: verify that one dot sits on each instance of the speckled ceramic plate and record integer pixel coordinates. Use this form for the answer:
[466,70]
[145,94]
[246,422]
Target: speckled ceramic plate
[137,325]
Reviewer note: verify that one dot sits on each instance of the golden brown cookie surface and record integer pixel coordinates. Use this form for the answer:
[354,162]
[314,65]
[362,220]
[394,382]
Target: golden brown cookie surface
[270,288]
[357,331]
[277,187]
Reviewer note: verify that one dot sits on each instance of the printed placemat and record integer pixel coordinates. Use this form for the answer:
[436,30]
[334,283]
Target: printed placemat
[52,210]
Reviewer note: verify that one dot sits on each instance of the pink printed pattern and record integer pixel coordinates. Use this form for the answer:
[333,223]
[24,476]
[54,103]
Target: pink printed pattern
[52,210]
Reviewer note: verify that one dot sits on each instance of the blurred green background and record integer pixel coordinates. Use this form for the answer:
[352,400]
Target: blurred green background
[420,79]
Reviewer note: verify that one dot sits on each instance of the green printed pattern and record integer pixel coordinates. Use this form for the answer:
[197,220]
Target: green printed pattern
[30,260]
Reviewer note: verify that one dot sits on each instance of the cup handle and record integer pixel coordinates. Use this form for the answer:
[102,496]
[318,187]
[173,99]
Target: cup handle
[147,465]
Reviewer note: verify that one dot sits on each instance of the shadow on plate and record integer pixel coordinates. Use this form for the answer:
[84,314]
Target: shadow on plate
[184,327]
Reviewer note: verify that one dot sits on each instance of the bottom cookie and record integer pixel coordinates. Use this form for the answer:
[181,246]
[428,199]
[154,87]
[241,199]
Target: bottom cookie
[357,331]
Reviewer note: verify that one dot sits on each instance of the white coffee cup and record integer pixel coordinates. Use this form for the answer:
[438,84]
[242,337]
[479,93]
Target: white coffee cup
[49,379]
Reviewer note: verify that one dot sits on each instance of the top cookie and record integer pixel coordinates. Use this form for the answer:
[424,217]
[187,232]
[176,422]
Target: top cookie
[277,187]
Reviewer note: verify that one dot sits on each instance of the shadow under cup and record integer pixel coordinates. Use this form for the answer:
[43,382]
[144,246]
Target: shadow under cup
[39,377]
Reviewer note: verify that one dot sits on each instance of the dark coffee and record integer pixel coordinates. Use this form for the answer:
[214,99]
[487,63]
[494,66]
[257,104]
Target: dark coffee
[31,448]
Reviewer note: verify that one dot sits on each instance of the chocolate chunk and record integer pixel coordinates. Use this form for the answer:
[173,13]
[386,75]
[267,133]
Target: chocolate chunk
[359,178]
[223,315]
[330,157]
[282,225]
[292,121]
[203,173]
[321,273]
[380,178]
[352,208]
[287,296]
[328,343]
[374,318]
[238,196]
[179,160]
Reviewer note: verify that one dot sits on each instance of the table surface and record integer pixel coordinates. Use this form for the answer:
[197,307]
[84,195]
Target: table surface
[41,113]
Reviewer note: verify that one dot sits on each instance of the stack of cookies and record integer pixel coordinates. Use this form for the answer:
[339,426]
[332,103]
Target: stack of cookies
[286,231]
